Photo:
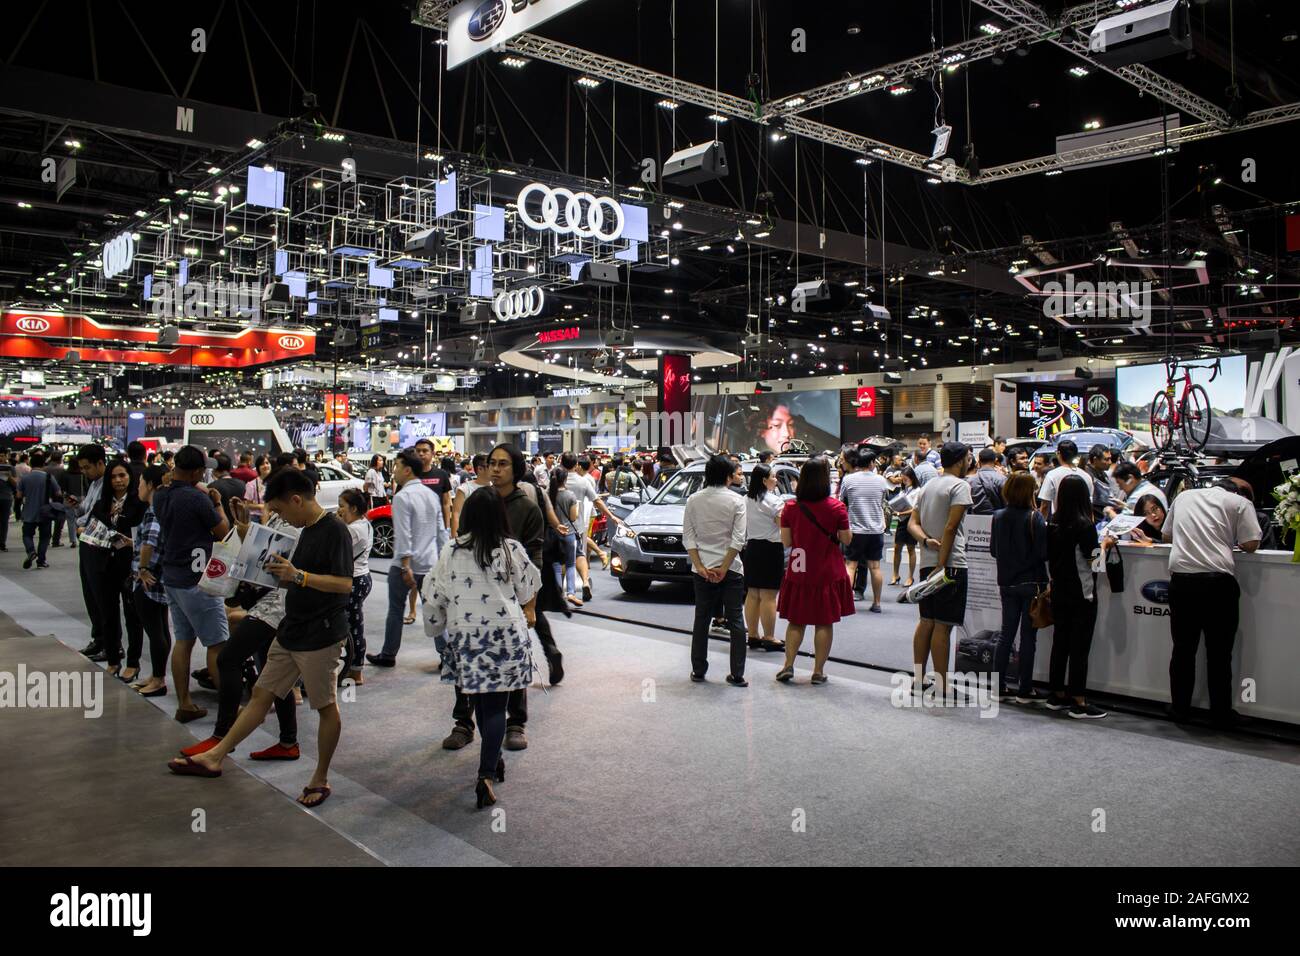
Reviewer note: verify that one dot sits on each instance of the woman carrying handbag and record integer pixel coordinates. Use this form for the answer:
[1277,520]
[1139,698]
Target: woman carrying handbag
[1019,545]
[1071,547]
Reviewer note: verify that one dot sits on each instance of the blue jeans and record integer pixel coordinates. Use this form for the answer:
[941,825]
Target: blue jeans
[1015,615]
[397,597]
[568,571]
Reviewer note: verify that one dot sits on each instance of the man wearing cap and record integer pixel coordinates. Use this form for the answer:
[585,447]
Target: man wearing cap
[1203,525]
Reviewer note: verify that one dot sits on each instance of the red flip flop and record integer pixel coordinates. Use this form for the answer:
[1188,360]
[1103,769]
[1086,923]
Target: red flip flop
[189,767]
[307,791]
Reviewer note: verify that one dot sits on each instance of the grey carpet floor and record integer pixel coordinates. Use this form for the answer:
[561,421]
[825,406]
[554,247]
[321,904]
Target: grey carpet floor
[630,763]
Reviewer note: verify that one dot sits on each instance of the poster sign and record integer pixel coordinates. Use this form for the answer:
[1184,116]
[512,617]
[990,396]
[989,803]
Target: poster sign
[674,396]
[336,408]
[1044,409]
[258,545]
[975,435]
[866,401]
[475,27]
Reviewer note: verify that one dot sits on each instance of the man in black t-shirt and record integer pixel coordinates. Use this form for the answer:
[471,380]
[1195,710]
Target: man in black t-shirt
[310,638]
[434,477]
[226,485]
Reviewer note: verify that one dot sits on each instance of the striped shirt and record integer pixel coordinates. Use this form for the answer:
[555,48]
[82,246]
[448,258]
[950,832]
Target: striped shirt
[149,532]
[863,493]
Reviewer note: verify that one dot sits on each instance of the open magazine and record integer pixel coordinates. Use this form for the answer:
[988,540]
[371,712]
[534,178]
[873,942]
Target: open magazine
[259,544]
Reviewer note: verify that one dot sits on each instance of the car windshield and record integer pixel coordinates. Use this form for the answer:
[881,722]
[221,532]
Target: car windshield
[1085,440]
[680,487]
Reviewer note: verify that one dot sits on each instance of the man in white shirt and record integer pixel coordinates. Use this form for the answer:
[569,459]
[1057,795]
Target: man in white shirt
[713,531]
[92,462]
[1067,451]
[1204,524]
[1135,486]
[583,486]
[863,492]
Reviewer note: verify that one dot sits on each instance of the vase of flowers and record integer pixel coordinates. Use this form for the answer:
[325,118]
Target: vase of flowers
[1287,512]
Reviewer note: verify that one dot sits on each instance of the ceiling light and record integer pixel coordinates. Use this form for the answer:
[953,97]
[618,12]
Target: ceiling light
[863,161]
[254,143]
[989,28]
[667,104]
[1079,71]
[1054,172]
[1092,124]
[898,89]
[794,102]
[717,117]
[587,82]
[514,62]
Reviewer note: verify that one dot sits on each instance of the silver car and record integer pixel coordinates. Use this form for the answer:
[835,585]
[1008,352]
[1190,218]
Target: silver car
[648,547]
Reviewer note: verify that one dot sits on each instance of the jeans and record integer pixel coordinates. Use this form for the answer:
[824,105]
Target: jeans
[398,595]
[566,574]
[356,619]
[1071,642]
[30,529]
[251,638]
[153,618]
[1209,603]
[6,516]
[731,592]
[1015,615]
[492,730]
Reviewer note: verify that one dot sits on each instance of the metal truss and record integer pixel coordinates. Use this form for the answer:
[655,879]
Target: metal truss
[1024,13]
[1138,145]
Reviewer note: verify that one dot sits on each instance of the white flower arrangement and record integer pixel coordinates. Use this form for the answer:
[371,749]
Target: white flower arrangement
[1287,512]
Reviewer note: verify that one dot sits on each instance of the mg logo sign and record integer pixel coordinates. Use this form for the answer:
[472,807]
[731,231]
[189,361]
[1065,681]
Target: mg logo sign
[292,342]
[119,253]
[33,324]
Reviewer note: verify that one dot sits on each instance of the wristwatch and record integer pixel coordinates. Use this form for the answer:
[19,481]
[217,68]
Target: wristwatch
[300,578]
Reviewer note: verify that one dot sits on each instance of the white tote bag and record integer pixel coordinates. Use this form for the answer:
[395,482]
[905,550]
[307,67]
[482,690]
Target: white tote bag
[216,578]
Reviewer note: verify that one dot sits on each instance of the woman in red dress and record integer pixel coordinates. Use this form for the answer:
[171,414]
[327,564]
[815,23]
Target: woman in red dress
[816,589]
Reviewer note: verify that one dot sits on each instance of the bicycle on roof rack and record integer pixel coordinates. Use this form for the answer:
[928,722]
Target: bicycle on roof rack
[1189,415]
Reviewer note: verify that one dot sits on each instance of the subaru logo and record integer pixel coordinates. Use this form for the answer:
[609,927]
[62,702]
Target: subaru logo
[485,19]
[671,539]
[292,342]
[1157,592]
[33,324]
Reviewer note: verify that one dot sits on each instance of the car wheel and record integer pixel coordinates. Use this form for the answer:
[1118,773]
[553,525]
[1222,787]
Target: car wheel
[383,543]
[634,585]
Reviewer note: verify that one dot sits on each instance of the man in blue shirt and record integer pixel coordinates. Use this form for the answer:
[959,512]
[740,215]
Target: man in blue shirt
[416,512]
[191,520]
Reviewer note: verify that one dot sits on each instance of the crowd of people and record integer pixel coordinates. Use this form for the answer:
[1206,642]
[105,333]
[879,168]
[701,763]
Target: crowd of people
[489,543]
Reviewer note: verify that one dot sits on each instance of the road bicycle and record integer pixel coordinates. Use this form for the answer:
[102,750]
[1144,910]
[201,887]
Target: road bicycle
[1189,415]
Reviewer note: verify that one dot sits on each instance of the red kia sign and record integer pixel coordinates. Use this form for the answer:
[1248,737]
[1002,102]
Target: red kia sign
[559,335]
[33,324]
[866,401]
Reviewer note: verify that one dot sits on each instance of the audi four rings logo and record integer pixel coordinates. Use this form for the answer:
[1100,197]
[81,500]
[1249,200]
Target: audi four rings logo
[203,419]
[582,214]
[519,304]
[30,323]
[292,342]
[119,253]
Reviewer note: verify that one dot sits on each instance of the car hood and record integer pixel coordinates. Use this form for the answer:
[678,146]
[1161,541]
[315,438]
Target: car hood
[651,517]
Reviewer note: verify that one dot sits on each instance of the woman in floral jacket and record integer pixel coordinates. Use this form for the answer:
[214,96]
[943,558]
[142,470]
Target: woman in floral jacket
[476,593]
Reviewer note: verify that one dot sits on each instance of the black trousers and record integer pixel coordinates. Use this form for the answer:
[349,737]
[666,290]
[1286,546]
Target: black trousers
[730,592]
[153,618]
[1208,603]
[6,516]
[109,574]
[492,729]
[89,558]
[516,708]
[1071,642]
[250,638]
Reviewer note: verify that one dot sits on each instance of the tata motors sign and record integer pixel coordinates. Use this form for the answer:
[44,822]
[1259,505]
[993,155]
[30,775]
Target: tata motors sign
[477,26]
[118,254]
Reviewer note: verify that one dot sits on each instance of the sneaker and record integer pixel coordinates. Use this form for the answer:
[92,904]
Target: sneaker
[586,592]
[276,752]
[27,564]
[735,681]
[379,660]
[1004,696]
[556,667]
[91,649]
[859,595]
[203,678]
[1086,712]
[697,678]
[515,739]
[1032,697]
[202,747]
[459,737]
[875,609]
[719,624]
[1052,702]
[785,675]
[42,564]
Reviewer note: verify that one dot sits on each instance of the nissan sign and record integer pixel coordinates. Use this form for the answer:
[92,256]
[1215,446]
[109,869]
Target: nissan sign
[118,254]
[292,343]
[32,324]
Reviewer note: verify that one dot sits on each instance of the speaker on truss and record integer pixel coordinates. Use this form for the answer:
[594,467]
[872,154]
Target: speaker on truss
[618,339]
[275,297]
[169,335]
[1137,36]
[696,164]
[475,313]
[344,338]
[599,273]
[1050,355]
[426,243]
[485,354]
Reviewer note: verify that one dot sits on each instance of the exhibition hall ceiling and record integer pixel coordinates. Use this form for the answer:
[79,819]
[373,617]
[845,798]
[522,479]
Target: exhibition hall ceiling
[965,263]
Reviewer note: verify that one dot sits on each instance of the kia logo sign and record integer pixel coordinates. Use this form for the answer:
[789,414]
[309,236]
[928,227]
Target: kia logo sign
[485,19]
[203,419]
[119,253]
[33,324]
[1157,592]
[216,568]
[292,342]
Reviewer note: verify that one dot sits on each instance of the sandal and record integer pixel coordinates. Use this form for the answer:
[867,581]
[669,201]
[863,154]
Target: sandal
[189,767]
[309,791]
[574,600]
[409,620]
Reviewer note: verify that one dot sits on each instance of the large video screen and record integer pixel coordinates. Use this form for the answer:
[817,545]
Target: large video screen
[748,424]
[1044,409]
[415,427]
[1138,385]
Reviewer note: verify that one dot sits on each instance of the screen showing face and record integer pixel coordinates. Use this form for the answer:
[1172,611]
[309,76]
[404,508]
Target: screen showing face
[748,424]
[415,427]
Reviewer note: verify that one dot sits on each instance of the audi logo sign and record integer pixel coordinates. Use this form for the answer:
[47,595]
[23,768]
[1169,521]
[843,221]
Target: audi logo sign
[33,324]
[292,342]
[119,253]
[519,304]
[203,419]
[582,214]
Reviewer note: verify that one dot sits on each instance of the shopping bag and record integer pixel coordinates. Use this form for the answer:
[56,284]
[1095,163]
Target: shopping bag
[937,581]
[216,578]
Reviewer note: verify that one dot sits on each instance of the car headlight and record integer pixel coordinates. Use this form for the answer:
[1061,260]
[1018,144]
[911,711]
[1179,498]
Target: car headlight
[625,532]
